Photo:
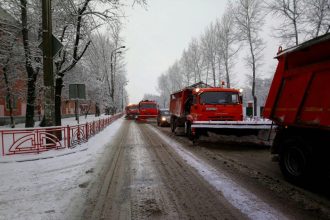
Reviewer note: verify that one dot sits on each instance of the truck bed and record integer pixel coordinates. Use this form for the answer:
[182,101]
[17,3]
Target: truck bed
[300,91]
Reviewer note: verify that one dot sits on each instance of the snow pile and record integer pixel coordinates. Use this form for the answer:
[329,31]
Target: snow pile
[45,187]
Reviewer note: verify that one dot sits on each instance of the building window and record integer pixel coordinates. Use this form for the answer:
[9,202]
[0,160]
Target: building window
[13,102]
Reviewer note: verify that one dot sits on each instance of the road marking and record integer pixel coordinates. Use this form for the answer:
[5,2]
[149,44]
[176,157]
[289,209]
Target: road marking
[247,202]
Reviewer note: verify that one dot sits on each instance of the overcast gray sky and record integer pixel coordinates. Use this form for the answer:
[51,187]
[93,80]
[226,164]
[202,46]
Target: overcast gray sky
[156,37]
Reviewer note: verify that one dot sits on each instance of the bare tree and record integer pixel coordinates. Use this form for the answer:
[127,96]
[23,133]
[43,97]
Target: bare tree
[88,16]
[100,79]
[66,61]
[291,13]
[164,89]
[175,77]
[196,61]
[208,44]
[317,16]
[249,20]
[227,39]
[30,34]
[186,66]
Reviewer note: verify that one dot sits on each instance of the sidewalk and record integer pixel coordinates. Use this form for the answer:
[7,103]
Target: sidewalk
[45,186]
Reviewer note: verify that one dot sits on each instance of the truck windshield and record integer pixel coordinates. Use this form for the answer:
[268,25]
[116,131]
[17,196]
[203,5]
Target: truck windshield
[219,98]
[132,108]
[147,105]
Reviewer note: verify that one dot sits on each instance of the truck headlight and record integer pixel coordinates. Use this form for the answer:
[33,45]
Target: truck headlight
[163,118]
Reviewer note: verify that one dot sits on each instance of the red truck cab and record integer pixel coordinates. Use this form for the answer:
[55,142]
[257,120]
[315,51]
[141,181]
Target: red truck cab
[215,104]
[147,109]
[132,111]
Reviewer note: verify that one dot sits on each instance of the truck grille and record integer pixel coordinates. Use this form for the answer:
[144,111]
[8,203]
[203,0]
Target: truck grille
[221,118]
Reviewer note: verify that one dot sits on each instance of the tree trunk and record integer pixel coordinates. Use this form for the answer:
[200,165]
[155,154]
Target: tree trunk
[296,32]
[213,72]
[32,75]
[253,76]
[295,22]
[227,73]
[31,97]
[89,107]
[219,68]
[207,74]
[254,88]
[255,106]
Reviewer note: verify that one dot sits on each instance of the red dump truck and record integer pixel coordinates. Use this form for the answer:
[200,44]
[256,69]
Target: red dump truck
[147,109]
[132,111]
[200,108]
[299,103]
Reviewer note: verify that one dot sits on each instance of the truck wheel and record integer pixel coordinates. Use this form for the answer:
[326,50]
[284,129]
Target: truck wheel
[188,131]
[295,161]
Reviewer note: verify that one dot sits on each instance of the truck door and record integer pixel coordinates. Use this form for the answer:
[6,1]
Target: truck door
[193,107]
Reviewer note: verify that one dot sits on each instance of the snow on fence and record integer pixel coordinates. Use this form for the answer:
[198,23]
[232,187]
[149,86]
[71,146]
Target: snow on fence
[37,140]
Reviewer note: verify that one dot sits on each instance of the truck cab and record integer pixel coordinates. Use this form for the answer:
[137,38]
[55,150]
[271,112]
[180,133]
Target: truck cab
[214,104]
[147,109]
[200,108]
[132,111]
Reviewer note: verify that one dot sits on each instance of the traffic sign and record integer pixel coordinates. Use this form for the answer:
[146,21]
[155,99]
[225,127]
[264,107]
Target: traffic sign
[77,91]
[57,45]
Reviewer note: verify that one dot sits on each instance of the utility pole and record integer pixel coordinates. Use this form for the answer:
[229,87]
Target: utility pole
[49,115]
[112,70]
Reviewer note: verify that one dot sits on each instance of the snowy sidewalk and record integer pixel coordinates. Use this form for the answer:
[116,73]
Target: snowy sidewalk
[45,186]
[34,136]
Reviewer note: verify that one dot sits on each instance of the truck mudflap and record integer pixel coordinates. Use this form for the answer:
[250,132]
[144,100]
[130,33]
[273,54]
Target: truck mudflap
[246,124]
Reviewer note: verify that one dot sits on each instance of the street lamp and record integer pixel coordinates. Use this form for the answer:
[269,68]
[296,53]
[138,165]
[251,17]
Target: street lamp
[112,71]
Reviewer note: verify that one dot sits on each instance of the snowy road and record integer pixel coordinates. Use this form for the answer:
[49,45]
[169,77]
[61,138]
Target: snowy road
[139,171]
[150,175]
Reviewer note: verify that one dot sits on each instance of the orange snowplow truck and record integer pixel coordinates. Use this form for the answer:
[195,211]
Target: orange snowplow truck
[132,111]
[197,106]
[200,108]
[147,109]
[299,103]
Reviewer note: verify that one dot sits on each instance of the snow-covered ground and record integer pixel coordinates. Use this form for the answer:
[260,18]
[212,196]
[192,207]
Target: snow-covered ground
[44,186]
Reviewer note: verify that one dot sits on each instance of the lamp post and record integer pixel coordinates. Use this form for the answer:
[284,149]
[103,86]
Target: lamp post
[112,70]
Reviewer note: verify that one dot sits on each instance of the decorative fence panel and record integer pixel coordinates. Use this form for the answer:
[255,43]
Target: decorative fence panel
[37,140]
